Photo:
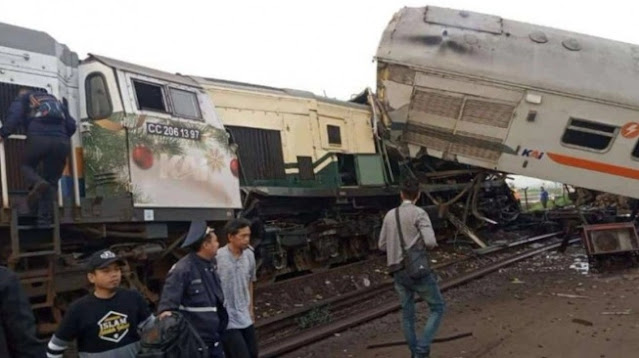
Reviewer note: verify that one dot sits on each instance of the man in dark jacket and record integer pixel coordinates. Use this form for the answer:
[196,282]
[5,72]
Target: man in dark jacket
[193,288]
[49,126]
[17,325]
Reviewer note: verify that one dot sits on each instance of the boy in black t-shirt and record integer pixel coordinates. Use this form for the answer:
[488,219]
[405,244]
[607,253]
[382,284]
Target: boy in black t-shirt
[106,322]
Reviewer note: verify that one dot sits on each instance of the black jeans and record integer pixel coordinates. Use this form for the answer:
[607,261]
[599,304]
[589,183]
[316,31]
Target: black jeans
[240,343]
[52,152]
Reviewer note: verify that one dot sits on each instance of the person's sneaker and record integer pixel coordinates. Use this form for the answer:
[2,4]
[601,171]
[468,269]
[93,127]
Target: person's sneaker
[36,192]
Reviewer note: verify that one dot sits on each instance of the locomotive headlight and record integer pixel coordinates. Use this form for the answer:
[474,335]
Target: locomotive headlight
[85,127]
[533,98]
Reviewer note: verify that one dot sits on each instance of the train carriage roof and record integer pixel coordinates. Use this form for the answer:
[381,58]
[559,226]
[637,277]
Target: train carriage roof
[521,54]
[142,70]
[275,91]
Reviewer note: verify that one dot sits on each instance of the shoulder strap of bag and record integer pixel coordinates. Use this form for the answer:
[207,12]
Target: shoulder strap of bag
[399,231]
[203,348]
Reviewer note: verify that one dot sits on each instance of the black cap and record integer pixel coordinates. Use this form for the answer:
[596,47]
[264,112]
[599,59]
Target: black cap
[102,259]
[197,231]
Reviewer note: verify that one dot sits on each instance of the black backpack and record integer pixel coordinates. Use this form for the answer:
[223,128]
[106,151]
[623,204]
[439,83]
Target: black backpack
[45,106]
[172,337]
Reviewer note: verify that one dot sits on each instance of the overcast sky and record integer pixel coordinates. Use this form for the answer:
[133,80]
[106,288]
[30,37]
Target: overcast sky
[326,47]
[320,46]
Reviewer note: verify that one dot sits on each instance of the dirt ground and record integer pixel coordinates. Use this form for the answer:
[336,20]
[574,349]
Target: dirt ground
[539,308]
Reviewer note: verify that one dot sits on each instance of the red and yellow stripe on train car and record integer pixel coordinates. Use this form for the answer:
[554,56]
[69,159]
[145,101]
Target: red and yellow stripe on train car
[596,166]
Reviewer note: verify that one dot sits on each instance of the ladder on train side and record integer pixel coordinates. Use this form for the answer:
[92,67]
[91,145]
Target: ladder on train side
[46,254]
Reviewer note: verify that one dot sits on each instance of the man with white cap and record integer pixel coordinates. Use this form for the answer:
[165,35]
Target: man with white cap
[193,288]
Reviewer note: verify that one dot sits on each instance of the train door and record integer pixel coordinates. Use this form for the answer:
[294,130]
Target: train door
[105,173]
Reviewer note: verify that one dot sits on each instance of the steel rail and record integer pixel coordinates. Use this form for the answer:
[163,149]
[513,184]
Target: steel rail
[311,336]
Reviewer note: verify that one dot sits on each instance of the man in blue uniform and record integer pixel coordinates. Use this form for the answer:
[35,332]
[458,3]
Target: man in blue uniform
[194,289]
[49,126]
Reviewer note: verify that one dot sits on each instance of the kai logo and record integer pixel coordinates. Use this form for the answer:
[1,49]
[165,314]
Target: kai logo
[180,167]
[532,153]
[113,327]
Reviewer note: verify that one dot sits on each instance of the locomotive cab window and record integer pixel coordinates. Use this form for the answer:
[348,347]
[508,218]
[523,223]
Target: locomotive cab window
[635,152]
[334,135]
[589,135]
[150,96]
[185,103]
[98,99]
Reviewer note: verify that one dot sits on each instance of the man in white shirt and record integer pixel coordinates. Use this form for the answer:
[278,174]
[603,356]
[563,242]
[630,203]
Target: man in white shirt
[236,268]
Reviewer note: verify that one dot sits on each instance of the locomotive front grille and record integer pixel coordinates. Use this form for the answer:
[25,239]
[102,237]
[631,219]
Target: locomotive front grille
[14,148]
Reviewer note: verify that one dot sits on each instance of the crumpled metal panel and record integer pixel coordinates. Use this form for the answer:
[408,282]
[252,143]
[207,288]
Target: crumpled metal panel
[458,143]
[490,148]
[424,137]
[401,74]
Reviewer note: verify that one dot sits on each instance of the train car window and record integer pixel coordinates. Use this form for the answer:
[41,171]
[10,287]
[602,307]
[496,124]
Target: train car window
[150,96]
[98,103]
[334,135]
[588,135]
[185,104]
[635,152]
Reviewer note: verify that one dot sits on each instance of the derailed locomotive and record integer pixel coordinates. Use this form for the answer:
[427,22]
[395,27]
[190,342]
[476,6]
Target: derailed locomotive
[156,150]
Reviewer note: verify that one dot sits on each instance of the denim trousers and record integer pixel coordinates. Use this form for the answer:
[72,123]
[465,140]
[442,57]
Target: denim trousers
[52,152]
[428,290]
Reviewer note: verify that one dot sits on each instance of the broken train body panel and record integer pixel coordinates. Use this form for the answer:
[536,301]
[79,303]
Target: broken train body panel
[513,97]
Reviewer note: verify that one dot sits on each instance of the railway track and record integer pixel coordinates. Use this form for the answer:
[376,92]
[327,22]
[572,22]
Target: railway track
[299,327]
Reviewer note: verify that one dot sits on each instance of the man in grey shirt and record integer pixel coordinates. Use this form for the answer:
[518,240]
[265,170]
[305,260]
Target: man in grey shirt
[236,268]
[417,230]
